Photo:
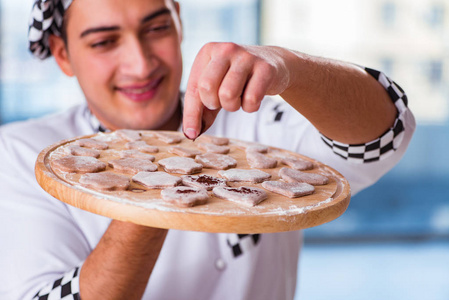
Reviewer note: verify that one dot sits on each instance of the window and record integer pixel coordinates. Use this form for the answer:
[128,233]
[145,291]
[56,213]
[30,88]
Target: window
[387,65]
[436,15]
[434,70]
[388,14]
[27,88]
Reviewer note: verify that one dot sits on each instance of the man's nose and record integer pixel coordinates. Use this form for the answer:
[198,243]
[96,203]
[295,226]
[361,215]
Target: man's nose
[138,61]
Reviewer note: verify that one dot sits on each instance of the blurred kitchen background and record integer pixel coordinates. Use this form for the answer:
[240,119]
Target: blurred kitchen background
[393,241]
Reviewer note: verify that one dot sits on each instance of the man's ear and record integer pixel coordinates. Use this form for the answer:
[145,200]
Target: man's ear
[59,52]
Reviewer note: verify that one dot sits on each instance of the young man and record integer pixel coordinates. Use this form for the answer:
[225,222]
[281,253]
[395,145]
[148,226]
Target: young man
[126,56]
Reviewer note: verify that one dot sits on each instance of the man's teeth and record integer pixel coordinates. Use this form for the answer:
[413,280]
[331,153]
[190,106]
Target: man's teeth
[140,90]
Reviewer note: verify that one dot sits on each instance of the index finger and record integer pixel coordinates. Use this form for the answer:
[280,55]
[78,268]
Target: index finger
[193,106]
[192,115]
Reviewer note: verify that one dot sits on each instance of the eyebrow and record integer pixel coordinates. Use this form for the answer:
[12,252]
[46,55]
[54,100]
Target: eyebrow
[162,11]
[148,18]
[98,29]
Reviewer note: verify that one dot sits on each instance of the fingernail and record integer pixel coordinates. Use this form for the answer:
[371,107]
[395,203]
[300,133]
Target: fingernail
[190,133]
[211,107]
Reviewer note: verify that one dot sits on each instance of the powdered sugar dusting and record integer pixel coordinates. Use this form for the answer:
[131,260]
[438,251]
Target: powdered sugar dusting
[278,207]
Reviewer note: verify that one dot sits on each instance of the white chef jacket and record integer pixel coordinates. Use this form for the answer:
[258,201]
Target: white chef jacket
[44,241]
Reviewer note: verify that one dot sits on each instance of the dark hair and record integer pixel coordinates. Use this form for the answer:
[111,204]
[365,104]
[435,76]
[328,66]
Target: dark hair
[64,26]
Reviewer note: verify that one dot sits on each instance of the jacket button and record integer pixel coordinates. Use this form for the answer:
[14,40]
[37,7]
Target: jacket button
[220,264]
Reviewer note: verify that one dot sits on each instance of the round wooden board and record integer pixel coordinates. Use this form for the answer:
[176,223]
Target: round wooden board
[145,207]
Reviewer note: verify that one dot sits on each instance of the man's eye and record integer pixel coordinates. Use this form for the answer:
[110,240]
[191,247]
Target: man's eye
[158,29]
[102,44]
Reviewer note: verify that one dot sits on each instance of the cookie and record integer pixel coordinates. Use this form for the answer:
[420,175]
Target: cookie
[260,161]
[129,135]
[249,146]
[257,148]
[291,175]
[184,196]
[203,181]
[168,138]
[79,164]
[132,165]
[239,175]
[136,154]
[185,152]
[180,165]
[279,154]
[219,141]
[212,148]
[156,180]
[216,161]
[142,146]
[80,151]
[297,164]
[92,143]
[289,189]
[105,181]
[249,196]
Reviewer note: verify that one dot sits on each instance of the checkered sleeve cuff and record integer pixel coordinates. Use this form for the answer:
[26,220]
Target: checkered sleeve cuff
[65,288]
[386,144]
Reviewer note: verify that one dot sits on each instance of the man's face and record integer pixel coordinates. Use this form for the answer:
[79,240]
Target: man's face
[126,56]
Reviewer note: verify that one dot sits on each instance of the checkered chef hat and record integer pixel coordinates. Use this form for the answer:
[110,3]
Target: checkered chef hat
[46,19]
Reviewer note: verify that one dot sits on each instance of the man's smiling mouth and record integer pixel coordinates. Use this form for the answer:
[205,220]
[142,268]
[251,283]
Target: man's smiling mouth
[141,92]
